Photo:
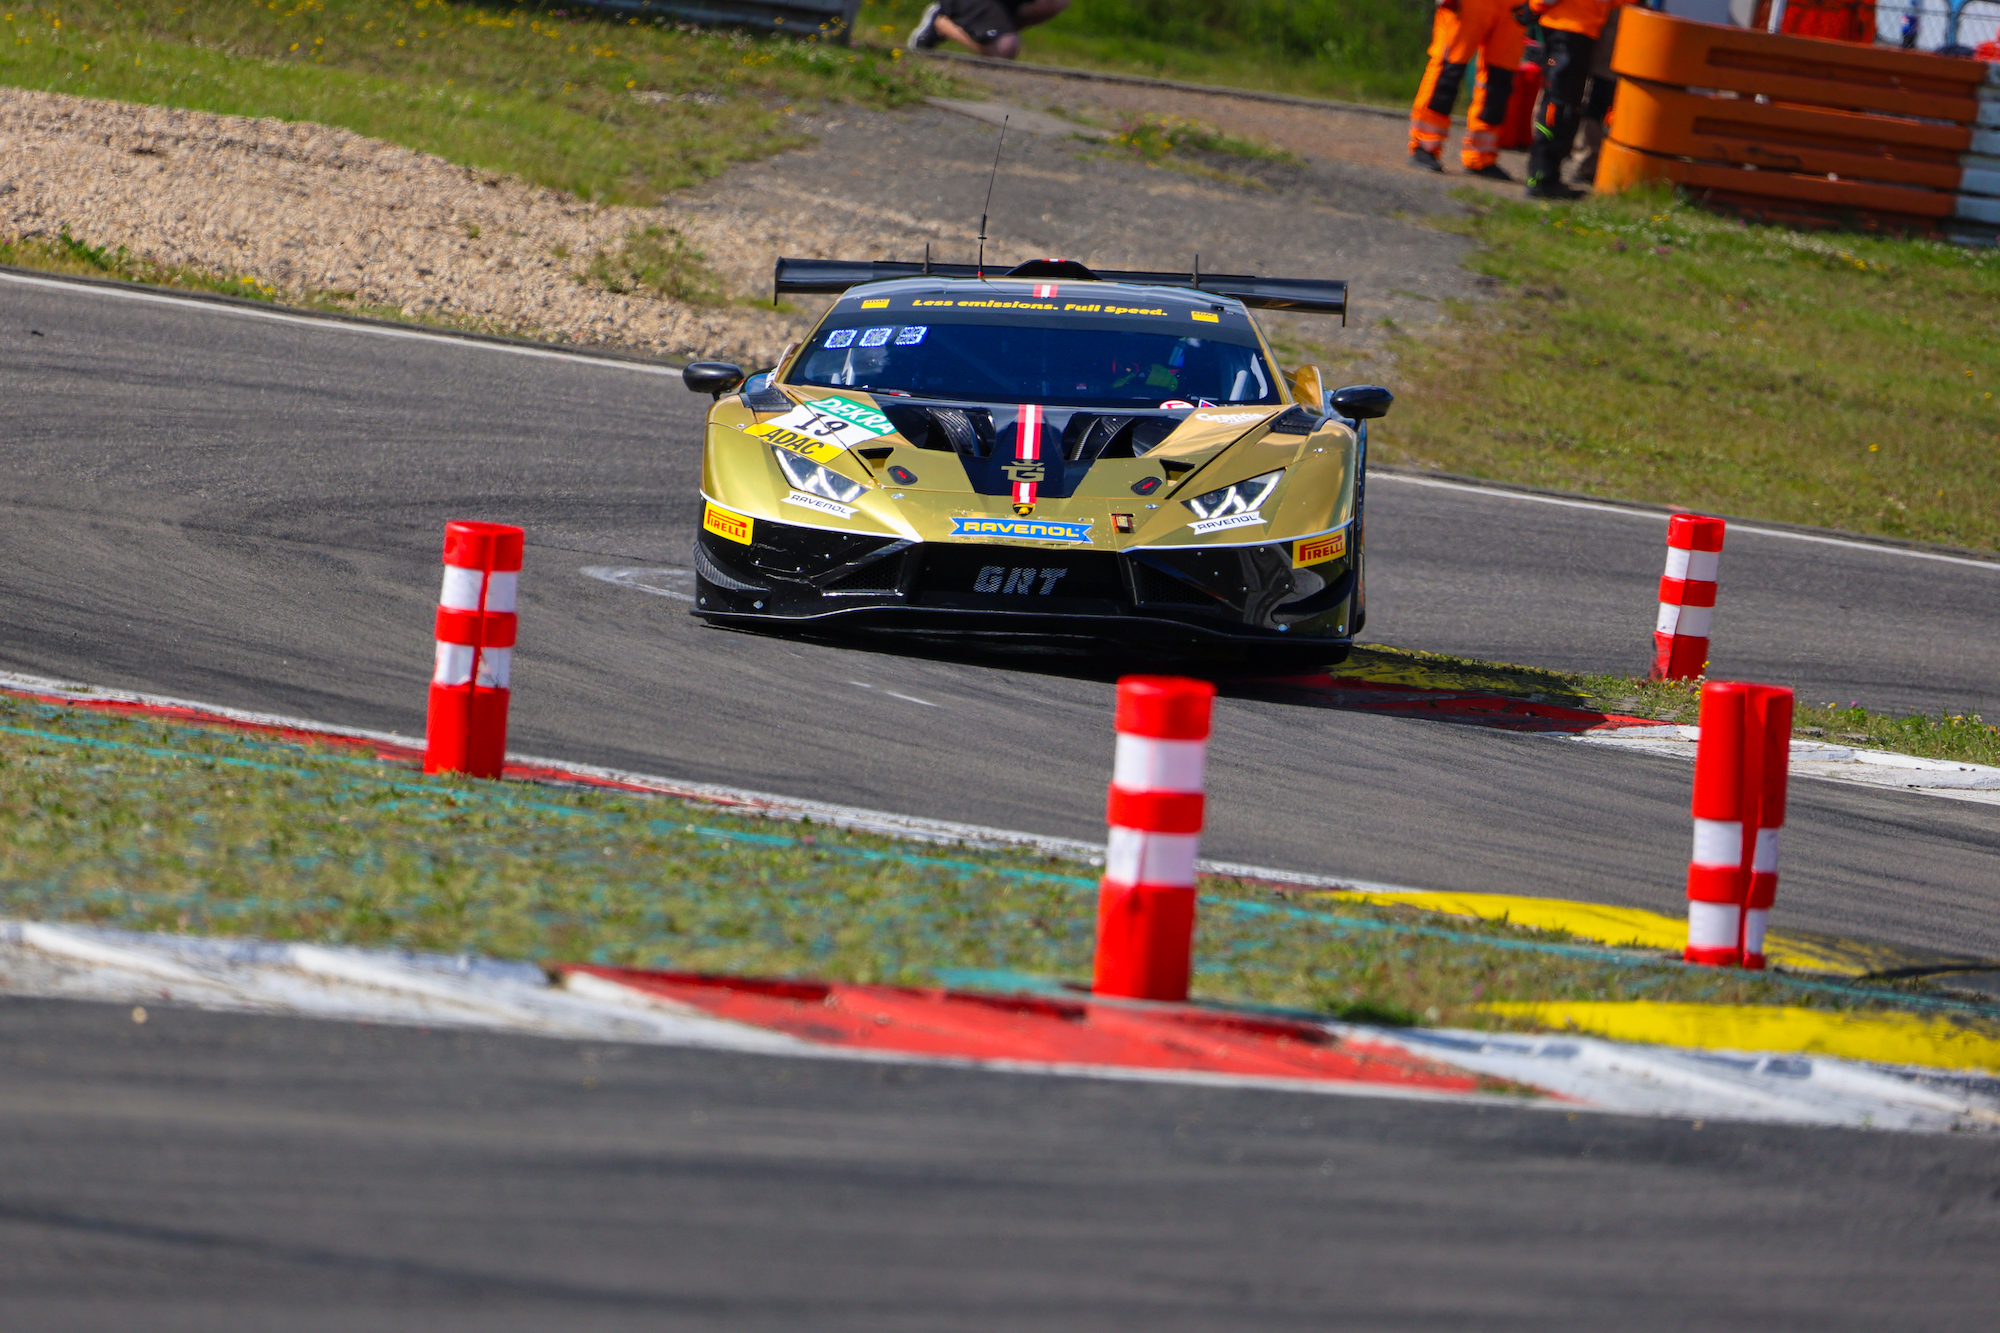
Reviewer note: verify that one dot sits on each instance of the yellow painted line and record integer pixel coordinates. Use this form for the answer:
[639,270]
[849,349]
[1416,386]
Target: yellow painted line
[1631,926]
[1636,928]
[1889,1038]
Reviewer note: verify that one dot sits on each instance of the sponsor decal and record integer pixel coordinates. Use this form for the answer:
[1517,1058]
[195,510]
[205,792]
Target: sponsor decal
[1227,521]
[822,429]
[1050,304]
[877,337]
[1028,582]
[841,338]
[1175,403]
[1027,470]
[821,503]
[880,303]
[1207,317]
[1228,418]
[736,527]
[1316,549]
[911,335]
[1029,529]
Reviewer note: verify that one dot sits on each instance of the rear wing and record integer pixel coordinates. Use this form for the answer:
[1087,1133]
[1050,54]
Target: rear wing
[1325,296]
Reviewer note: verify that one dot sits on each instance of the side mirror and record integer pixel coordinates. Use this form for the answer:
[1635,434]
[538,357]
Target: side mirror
[1357,402]
[713,378]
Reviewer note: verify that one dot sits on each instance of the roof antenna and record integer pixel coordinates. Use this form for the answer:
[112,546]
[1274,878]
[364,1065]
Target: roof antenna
[1197,270]
[980,268]
[927,259]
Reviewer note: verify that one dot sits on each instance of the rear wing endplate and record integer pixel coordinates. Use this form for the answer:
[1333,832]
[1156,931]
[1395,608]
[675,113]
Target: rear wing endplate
[1325,296]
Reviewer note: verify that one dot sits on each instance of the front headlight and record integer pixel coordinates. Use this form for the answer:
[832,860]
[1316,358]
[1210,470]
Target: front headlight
[808,476]
[1245,497]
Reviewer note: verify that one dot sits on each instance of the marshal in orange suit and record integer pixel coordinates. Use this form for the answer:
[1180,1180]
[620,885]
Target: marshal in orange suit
[1465,30]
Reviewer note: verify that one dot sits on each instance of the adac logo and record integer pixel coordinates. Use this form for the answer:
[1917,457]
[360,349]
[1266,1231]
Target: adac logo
[1026,529]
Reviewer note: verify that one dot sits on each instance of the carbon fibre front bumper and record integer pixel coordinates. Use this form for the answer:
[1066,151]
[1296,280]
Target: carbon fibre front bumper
[1245,594]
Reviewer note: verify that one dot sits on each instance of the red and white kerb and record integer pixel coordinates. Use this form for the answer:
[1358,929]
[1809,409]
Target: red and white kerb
[1739,805]
[1687,597]
[1145,905]
[1027,449]
[476,624]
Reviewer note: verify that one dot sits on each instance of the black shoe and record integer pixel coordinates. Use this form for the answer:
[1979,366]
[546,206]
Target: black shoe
[1423,161]
[1492,171]
[924,36]
[1552,189]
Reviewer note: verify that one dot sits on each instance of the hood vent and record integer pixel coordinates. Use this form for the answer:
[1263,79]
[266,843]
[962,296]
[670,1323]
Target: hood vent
[1298,421]
[967,432]
[1089,437]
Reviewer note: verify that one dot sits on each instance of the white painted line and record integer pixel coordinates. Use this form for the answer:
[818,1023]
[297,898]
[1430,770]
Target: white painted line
[906,698]
[1735,529]
[634,578]
[1951,779]
[380,331]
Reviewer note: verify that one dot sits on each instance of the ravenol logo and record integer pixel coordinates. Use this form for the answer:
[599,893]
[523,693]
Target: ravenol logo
[1032,529]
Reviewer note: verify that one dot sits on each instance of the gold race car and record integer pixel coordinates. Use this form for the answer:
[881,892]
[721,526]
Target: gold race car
[1048,451]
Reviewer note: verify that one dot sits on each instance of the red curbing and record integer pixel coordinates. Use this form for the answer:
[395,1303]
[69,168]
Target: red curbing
[1687,597]
[1048,1030]
[1145,906]
[476,625]
[1740,769]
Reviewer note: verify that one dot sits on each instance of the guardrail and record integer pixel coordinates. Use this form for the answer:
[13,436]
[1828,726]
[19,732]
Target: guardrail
[1803,129]
[830,20]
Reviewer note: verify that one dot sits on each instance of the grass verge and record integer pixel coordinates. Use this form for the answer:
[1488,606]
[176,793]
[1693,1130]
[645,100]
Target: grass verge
[1643,349]
[611,108]
[1353,50]
[66,254]
[1966,738]
[163,826]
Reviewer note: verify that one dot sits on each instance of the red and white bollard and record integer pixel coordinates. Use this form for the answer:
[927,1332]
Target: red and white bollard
[476,623]
[1687,597]
[1739,805]
[1145,906]
[1767,718]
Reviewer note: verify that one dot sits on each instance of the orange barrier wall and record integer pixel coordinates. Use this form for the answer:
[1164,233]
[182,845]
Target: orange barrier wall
[1822,128]
[1811,70]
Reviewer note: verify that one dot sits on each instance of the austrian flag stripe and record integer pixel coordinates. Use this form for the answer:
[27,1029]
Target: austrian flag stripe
[1045,289]
[1027,448]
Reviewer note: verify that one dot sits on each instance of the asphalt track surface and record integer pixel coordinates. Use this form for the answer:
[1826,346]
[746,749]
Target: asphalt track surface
[248,511]
[206,1171]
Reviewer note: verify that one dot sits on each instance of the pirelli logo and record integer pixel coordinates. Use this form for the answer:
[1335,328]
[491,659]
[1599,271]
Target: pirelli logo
[1316,549]
[736,527]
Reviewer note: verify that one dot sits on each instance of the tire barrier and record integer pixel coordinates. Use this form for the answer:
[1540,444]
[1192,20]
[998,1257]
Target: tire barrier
[1801,128]
[1145,905]
[1740,767]
[476,622]
[1687,597]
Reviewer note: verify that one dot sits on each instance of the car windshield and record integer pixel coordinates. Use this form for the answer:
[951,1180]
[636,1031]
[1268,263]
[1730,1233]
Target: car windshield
[1089,365]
